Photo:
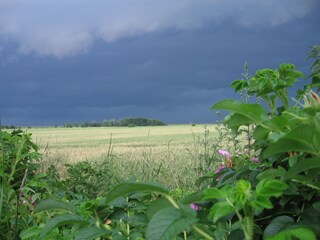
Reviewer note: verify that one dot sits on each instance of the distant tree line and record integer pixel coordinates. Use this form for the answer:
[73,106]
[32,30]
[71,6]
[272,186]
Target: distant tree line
[125,122]
[8,127]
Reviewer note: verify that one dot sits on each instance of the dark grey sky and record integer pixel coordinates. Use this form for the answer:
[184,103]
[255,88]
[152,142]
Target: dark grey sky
[74,61]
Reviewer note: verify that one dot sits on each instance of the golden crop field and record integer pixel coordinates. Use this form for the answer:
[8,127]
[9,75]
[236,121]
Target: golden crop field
[88,143]
[171,148]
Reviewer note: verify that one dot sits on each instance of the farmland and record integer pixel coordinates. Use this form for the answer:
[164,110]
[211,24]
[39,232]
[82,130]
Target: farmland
[134,151]
[255,177]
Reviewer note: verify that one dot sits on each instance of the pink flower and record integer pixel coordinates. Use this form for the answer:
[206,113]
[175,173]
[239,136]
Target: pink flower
[24,202]
[227,156]
[195,207]
[224,153]
[256,160]
[219,168]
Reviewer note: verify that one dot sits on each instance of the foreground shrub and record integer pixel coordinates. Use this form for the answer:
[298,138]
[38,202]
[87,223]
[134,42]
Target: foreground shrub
[18,163]
[271,191]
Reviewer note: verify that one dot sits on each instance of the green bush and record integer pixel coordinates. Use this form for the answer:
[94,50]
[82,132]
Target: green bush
[269,190]
[19,159]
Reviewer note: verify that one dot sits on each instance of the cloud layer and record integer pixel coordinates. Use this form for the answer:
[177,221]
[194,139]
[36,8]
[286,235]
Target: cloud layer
[66,28]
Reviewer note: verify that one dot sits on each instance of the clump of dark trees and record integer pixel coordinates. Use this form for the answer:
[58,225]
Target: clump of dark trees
[9,127]
[125,122]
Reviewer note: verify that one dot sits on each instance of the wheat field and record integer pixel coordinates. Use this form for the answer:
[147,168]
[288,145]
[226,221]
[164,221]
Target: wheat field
[175,151]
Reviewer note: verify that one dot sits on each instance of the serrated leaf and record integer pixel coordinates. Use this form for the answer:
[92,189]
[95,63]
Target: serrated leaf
[119,214]
[261,203]
[235,120]
[271,173]
[271,187]
[53,204]
[233,176]
[156,206]
[260,133]
[303,138]
[119,202]
[90,233]
[213,193]
[297,234]
[255,112]
[238,85]
[276,225]
[193,197]
[125,188]
[277,123]
[220,209]
[303,165]
[167,224]
[138,219]
[60,221]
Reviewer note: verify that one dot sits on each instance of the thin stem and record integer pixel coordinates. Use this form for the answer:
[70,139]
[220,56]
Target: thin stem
[128,226]
[247,230]
[16,217]
[282,94]
[174,204]
[202,233]
[270,105]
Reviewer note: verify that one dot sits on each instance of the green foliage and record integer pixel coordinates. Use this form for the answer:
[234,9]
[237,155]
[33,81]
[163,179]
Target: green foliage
[167,223]
[268,190]
[131,187]
[89,179]
[288,141]
[18,163]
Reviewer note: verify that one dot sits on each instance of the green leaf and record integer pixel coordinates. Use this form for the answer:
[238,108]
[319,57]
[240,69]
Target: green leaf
[220,209]
[276,225]
[202,232]
[235,120]
[53,204]
[213,193]
[303,165]
[60,221]
[260,133]
[125,188]
[31,232]
[271,188]
[238,85]
[303,138]
[90,233]
[168,223]
[233,176]
[255,112]
[261,203]
[156,206]
[193,197]
[271,173]
[277,123]
[296,234]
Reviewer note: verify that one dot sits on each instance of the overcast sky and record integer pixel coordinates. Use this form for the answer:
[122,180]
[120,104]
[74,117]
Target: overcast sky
[74,61]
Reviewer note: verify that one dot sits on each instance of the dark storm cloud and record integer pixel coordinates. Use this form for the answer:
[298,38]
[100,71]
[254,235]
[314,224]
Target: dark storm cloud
[168,60]
[67,27]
